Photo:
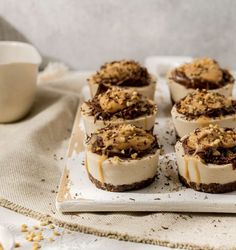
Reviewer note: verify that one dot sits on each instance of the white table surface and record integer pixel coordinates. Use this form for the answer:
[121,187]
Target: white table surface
[75,240]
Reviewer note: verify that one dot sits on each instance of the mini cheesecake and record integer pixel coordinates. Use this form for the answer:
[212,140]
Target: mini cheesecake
[124,74]
[206,159]
[201,108]
[122,157]
[116,106]
[201,73]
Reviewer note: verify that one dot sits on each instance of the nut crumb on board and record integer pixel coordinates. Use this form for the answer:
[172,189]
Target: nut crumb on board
[34,234]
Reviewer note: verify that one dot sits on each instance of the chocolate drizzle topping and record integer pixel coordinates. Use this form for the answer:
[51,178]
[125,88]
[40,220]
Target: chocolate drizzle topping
[123,141]
[194,75]
[124,73]
[130,109]
[204,103]
[215,152]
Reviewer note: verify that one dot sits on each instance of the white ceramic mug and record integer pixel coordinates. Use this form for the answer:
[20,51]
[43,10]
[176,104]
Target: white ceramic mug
[19,64]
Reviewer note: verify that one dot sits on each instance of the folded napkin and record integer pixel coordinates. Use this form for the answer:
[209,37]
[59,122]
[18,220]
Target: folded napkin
[32,156]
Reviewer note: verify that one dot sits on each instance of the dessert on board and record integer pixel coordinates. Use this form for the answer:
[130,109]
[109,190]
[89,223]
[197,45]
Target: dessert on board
[122,157]
[201,73]
[116,106]
[206,159]
[124,74]
[201,108]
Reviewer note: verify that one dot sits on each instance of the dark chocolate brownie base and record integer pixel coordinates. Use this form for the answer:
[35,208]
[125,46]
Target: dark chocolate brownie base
[213,188]
[120,188]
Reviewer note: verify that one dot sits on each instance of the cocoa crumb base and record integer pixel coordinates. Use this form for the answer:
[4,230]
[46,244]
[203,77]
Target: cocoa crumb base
[213,188]
[120,188]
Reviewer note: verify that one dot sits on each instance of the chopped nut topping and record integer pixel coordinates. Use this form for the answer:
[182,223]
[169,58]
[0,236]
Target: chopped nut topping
[212,145]
[35,233]
[134,156]
[116,99]
[51,226]
[56,233]
[205,103]
[202,73]
[45,223]
[211,137]
[124,139]
[39,236]
[30,236]
[36,246]
[205,68]
[113,103]
[122,73]
[24,228]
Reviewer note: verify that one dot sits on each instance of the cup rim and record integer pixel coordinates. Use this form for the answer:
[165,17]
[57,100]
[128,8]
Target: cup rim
[38,58]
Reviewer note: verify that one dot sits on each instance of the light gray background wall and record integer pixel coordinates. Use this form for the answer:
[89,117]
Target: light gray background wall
[86,33]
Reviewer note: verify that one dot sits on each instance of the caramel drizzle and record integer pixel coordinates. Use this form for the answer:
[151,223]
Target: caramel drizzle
[100,169]
[196,170]
[203,121]
[86,165]
[197,174]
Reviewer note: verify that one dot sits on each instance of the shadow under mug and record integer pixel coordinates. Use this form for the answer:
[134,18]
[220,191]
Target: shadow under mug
[19,63]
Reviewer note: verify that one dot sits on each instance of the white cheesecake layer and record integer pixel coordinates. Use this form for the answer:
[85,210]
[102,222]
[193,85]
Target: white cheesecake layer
[148,91]
[91,126]
[179,91]
[116,172]
[194,170]
[184,126]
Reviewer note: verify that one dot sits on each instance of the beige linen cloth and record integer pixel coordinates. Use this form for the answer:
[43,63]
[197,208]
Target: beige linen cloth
[32,154]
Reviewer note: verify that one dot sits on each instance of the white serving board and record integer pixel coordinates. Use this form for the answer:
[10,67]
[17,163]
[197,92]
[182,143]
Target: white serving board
[78,194]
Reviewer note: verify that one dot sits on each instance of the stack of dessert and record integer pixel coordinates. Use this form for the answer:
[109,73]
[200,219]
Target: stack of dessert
[121,150]
[201,108]
[207,159]
[204,115]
